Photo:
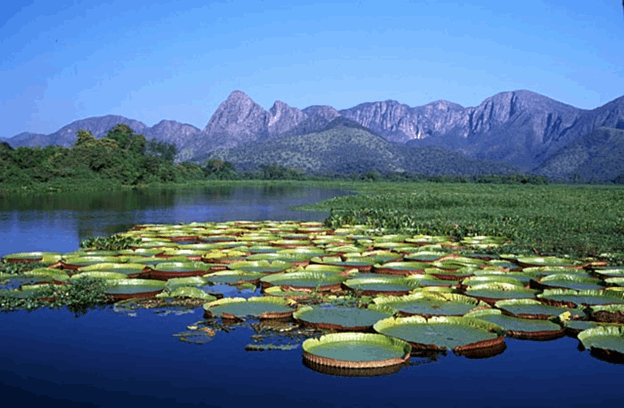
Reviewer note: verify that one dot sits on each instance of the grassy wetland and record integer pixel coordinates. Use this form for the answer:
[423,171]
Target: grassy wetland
[574,220]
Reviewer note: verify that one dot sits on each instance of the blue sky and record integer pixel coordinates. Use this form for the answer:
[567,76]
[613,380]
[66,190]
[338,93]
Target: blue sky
[68,60]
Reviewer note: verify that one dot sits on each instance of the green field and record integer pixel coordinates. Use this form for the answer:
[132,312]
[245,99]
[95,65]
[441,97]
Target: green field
[575,220]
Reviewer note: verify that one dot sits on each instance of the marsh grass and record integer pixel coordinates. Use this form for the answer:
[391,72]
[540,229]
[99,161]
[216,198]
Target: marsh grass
[574,220]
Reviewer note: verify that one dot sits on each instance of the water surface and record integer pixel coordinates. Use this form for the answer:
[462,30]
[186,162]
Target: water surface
[109,359]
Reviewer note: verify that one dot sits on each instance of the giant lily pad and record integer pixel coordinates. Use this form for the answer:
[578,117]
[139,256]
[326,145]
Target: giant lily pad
[360,263]
[531,329]
[342,318]
[189,293]
[382,285]
[238,308]
[568,281]
[76,262]
[129,269]
[401,268]
[133,288]
[295,259]
[606,343]
[231,277]
[429,304]
[356,350]
[534,309]
[304,280]
[439,333]
[611,272]
[425,256]
[493,292]
[99,275]
[531,261]
[613,313]
[168,270]
[573,298]
[261,266]
[29,257]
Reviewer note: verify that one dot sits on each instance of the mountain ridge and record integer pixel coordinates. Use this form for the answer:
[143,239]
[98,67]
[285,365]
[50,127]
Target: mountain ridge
[519,127]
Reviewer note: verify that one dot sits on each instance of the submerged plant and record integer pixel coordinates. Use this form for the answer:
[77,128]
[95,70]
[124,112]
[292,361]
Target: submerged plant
[113,243]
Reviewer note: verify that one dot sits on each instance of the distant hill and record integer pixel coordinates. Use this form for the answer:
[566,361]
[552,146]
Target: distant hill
[346,147]
[598,155]
[520,128]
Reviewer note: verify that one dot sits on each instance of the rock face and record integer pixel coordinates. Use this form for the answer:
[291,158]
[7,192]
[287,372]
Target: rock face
[521,128]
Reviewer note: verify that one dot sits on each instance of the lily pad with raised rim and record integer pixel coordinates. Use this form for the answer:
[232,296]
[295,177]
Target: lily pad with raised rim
[606,342]
[168,270]
[239,308]
[439,333]
[134,288]
[266,267]
[530,261]
[493,292]
[574,298]
[342,318]
[304,280]
[568,281]
[401,268]
[427,304]
[356,350]
[528,329]
[129,269]
[382,285]
[534,309]
[231,277]
[30,257]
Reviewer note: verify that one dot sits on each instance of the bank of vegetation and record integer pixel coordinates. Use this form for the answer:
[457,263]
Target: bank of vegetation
[574,220]
[125,159]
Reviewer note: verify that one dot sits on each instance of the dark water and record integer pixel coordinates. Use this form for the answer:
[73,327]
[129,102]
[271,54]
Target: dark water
[109,359]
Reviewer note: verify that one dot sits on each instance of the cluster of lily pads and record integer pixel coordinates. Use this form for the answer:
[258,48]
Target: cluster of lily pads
[408,294]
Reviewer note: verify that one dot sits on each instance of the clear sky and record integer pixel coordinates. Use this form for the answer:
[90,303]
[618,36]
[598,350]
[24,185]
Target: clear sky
[152,60]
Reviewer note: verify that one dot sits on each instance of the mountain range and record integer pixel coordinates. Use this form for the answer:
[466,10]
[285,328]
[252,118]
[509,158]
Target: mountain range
[508,132]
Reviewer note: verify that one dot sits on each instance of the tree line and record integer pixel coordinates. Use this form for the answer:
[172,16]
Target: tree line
[126,158]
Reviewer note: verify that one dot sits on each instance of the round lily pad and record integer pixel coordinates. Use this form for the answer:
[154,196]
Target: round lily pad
[493,292]
[76,262]
[534,309]
[382,285]
[451,274]
[356,350]
[261,266]
[568,281]
[573,298]
[429,304]
[30,257]
[342,318]
[168,270]
[231,277]
[131,270]
[529,261]
[401,268]
[530,329]
[133,288]
[261,307]
[304,280]
[461,334]
[605,342]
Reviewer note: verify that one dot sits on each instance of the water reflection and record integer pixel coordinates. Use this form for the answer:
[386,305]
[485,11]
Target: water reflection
[57,222]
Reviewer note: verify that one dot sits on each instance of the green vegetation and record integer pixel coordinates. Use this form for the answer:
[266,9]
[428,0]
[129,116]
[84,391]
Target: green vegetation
[577,221]
[83,294]
[119,158]
[113,243]
[467,314]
